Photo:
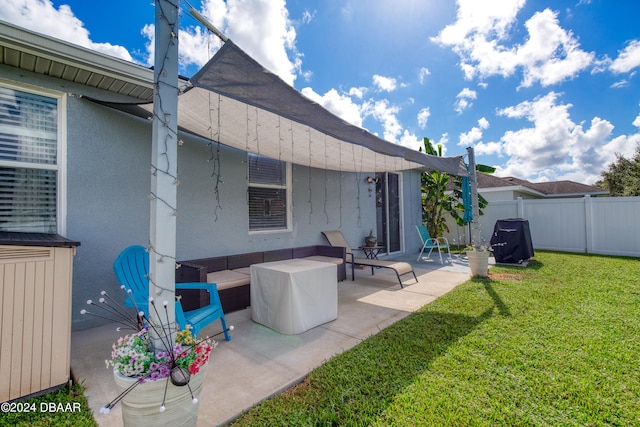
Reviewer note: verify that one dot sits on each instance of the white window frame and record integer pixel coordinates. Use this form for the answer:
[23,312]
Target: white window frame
[60,167]
[289,199]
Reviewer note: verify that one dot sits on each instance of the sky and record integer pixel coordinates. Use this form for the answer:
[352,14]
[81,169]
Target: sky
[543,90]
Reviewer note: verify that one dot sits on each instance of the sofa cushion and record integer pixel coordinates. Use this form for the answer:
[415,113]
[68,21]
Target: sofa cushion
[243,270]
[228,279]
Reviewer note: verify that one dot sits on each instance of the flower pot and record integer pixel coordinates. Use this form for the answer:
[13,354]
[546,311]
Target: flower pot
[141,406]
[479,263]
[370,242]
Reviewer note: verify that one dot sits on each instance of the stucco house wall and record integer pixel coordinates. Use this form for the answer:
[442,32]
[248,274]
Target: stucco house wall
[108,183]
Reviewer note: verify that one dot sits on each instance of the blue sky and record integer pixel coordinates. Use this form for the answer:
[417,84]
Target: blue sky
[544,90]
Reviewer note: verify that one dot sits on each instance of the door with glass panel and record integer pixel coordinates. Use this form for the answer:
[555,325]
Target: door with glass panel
[389,210]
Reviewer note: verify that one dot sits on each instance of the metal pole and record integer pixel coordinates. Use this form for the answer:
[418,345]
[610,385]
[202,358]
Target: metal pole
[475,208]
[207,24]
[162,235]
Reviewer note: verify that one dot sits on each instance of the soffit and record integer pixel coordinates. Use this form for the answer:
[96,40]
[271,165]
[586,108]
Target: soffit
[32,52]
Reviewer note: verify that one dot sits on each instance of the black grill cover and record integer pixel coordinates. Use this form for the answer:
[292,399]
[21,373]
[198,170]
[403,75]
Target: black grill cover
[511,241]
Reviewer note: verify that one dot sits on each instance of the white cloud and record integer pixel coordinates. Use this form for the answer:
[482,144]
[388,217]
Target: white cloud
[555,147]
[358,92]
[468,139]
[387,115]
[463,99]
[488,148]
[423,73]
[423,117]
[619,84]
[410,140]
[340,105]
[480,37]
[387,84]
[308,16]
[628,58]
[636,122]
[261,28]
[482,18]
[42,17]
[551,54]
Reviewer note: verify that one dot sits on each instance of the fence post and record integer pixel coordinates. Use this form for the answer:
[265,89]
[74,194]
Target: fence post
[520,205]
[588,221]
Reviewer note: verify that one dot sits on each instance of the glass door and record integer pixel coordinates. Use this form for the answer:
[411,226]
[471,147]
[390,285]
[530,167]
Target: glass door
[389,210]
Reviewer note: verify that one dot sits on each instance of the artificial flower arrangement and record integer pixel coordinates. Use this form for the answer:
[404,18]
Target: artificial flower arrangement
[481,248]
[133,355]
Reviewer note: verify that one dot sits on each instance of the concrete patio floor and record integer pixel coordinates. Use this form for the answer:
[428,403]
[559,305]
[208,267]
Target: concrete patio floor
[259,362]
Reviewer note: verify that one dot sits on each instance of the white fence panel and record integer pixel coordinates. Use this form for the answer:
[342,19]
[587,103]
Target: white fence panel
[614,226]
[557,224]
[498,210]
[603,225]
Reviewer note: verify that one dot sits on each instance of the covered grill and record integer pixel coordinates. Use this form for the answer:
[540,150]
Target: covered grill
[511,241]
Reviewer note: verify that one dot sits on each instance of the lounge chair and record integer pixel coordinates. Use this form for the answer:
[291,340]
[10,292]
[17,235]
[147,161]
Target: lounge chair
[430,243]
[335,238]
[132,270]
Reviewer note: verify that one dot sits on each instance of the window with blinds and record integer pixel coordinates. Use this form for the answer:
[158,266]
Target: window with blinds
[28,161]
[268,192]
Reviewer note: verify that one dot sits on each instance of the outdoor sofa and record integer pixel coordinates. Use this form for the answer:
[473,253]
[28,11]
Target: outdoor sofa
[231,273]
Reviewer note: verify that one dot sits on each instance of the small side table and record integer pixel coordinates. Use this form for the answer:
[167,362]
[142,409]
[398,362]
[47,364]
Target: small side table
[371,252]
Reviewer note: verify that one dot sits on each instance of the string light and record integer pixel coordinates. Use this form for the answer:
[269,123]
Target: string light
[215,157]
[340,184]
[293,214]
[325,179]
[310,201]
[353,152]
[165,119]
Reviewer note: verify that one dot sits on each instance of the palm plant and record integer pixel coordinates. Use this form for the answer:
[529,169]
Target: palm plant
[436,203]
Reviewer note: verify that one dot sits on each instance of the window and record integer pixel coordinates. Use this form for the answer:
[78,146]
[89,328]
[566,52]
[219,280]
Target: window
[268,193]
[29,161]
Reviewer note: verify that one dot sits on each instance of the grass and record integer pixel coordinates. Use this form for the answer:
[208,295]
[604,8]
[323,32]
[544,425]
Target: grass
[65,407]
[553,344]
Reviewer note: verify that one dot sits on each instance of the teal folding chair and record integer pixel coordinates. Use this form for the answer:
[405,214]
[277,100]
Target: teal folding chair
[430,243]
[132,270]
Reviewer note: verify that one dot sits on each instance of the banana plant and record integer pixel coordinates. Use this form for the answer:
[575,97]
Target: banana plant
[436,203]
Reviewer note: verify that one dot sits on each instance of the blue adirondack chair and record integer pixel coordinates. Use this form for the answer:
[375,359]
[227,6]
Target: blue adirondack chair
[132,270]
[430,243]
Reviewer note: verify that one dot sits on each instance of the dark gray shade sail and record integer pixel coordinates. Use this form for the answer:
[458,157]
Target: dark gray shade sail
[236,101]
[269,101]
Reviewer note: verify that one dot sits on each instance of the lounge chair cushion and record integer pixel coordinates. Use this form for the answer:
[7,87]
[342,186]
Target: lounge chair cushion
[399,266]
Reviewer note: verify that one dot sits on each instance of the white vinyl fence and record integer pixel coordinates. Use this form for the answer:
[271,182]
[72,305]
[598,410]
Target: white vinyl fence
[602,225]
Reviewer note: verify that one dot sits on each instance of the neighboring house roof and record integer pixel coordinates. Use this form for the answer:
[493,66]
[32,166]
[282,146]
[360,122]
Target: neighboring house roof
[541,189]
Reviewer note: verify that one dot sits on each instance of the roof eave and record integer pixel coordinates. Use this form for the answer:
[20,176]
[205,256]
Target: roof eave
[519,188]
[61,52]
[591,193]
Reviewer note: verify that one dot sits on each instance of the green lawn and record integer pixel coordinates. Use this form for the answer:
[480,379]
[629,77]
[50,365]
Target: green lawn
[553,344]
[65,407]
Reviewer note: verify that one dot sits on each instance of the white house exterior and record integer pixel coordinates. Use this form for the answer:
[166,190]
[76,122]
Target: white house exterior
[494,188]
